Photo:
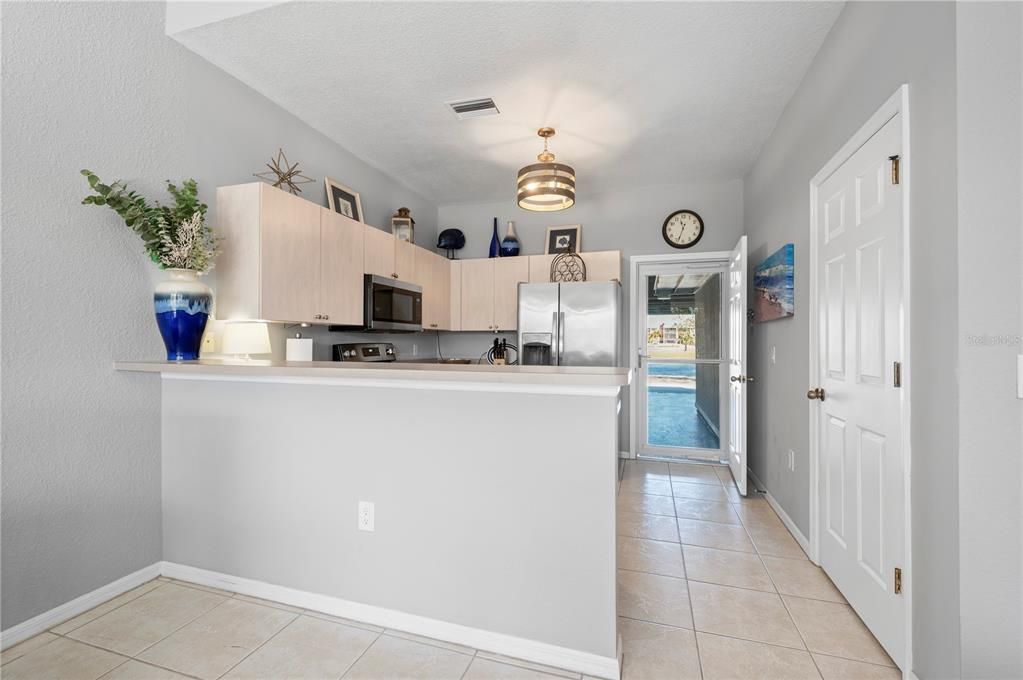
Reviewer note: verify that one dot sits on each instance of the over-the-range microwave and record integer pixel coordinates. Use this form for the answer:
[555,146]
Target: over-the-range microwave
[390,306]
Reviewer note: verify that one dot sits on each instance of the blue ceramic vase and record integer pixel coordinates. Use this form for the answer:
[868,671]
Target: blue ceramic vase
[183,305]
[495,242]
[510,244]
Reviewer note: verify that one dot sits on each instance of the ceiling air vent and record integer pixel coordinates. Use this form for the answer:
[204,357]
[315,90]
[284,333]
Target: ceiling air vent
[474,108]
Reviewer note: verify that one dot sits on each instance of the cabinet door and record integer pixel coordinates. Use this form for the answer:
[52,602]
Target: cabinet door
[341,259]
[379,252]
[289,256]
[508,273]
[603,265]
[404,260]
[478,295]
[432,273]
[455,270]
[540,268]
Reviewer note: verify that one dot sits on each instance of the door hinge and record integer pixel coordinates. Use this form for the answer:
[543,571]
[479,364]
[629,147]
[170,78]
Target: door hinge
[898,580]
[895,168]
[897,374]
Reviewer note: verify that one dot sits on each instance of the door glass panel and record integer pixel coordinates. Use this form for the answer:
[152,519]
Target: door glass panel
[683,367]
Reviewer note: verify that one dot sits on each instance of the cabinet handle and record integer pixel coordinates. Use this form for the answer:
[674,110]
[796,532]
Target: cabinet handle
[394,276]
[433,325]
[317,316]
[325,317]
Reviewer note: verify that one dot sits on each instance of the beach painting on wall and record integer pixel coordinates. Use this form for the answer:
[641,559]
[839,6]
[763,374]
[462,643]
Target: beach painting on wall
[773,285]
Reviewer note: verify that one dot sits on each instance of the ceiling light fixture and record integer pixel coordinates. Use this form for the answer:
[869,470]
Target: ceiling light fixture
[546,186]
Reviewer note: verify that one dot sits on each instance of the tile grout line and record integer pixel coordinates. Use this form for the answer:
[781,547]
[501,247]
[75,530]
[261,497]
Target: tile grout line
[147,647]
[359,658]
[261,645]
[51,629]
[689,592]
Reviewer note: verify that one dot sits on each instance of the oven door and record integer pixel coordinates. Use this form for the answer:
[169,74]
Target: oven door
[393,306]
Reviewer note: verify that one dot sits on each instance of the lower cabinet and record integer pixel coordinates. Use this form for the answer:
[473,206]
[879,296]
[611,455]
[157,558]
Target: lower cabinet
[490,293]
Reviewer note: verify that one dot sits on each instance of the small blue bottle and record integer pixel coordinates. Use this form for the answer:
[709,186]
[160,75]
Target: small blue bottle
[495,242]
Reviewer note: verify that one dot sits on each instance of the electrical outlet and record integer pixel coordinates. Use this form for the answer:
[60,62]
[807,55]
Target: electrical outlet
[774,355]
[415,349]
[366,516]
[792,460]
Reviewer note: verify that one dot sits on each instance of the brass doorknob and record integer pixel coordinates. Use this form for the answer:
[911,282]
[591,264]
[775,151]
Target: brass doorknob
[815,393]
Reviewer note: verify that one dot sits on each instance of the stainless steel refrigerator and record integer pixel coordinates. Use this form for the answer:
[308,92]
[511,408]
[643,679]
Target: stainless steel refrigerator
[570,324]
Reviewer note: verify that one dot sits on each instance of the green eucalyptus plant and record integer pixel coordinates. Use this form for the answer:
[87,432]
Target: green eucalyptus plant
[175,236]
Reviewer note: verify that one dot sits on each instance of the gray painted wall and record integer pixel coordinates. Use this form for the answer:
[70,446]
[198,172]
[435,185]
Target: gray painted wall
[990,149]
[872,49]
[468,530]
[629,220]
[101,86]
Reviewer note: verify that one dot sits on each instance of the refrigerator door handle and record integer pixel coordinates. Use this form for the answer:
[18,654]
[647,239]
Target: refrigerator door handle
[561,337]
[555,335]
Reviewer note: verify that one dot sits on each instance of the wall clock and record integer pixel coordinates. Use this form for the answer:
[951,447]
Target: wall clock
[682,229]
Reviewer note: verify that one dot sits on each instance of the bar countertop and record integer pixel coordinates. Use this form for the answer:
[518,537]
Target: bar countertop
[564,376]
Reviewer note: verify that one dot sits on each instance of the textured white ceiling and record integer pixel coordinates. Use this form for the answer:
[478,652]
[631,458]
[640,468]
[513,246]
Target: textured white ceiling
[640,93]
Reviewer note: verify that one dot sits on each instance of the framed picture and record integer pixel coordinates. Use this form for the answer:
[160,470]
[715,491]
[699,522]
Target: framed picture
[773,285]
[344,200]
[564,239]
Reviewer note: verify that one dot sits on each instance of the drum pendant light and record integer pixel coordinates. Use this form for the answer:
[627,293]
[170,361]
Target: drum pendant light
[546,186]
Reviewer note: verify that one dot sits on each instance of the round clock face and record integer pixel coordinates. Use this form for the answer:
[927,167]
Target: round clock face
[682,229]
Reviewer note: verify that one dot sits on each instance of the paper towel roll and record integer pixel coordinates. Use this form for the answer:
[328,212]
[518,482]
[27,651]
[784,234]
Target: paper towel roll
[299,349]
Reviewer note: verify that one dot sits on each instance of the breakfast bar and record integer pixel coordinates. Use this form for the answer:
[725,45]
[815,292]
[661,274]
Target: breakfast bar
[347,488]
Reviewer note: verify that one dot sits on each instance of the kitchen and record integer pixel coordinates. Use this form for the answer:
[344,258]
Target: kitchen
[363,437]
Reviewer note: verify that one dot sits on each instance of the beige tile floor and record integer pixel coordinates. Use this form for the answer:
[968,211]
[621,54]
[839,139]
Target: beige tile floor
[710,585]
[169,630]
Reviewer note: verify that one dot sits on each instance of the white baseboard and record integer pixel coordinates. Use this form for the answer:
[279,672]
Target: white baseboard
[69,610]
[803,542]
[500,643]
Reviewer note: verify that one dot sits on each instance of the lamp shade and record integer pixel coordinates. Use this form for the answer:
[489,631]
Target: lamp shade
[546,186]
[244,338]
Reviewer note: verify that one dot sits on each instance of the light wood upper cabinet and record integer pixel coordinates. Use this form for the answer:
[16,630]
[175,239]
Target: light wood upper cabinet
[387,256]
[379,252]
[490,293]
[433,273]
[508,273]
[455,267]
[601,265]
[286,259]
[478,295]
[290,263]
[342,242]
[404,260]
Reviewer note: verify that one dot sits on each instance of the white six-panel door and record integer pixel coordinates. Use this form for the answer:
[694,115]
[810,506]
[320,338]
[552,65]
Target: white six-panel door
[859,305]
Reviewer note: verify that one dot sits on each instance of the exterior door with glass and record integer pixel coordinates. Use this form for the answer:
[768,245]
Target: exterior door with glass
[680,369]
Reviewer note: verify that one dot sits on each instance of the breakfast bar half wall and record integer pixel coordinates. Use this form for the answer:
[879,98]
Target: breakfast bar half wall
[492,492]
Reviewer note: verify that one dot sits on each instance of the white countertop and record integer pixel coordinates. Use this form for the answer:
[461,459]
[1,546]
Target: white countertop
[582,376]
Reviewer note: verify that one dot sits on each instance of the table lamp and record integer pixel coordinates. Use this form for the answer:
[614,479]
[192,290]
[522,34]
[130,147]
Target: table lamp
[244,338]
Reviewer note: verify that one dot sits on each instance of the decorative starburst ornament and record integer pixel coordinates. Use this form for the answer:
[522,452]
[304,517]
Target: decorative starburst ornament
[284,175]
